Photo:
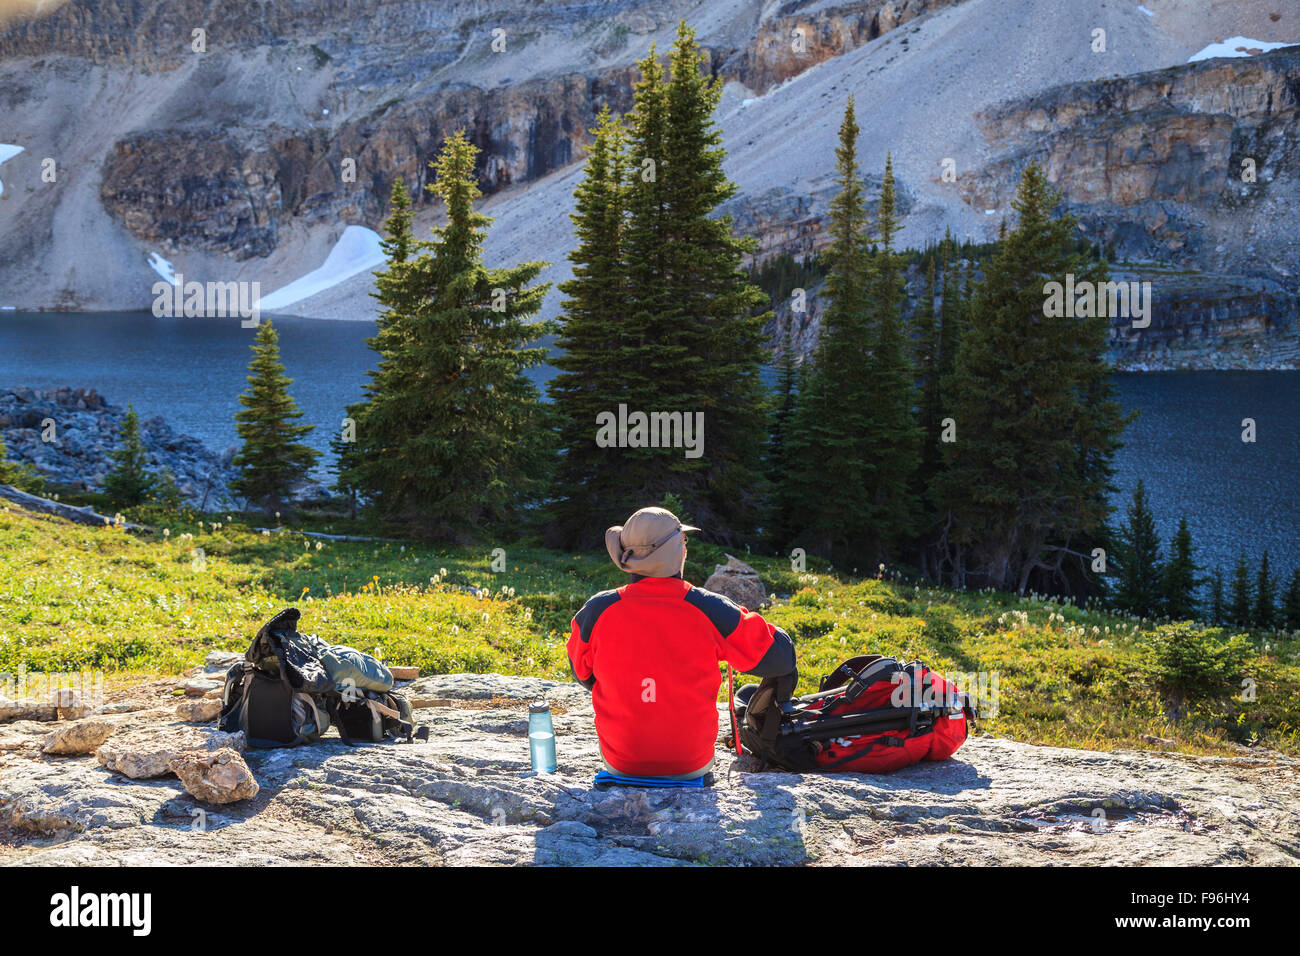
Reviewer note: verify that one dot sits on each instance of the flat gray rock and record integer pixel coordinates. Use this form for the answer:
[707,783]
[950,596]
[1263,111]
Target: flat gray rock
[467,796]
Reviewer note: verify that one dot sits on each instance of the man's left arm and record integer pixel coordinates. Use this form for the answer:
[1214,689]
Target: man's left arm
[756,638]
[746,641]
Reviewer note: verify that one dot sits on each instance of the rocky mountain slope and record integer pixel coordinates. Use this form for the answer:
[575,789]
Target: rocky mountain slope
[467,797]
[236,163]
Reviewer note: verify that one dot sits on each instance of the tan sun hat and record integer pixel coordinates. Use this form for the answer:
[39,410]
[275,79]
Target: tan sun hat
[650,543]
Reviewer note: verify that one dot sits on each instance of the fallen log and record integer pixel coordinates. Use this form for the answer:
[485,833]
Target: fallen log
[324,536]
[83,515]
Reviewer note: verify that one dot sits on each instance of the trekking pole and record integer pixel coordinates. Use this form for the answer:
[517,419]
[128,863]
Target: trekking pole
[731,704]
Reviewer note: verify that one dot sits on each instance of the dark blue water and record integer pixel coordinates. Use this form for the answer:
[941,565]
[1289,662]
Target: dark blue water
[1186,444]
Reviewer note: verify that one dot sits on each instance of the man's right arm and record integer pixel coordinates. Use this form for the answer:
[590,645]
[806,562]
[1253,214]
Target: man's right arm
[580,634]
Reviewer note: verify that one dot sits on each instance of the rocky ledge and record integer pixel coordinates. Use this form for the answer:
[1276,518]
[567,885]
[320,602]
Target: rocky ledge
[466,796]
[83,428]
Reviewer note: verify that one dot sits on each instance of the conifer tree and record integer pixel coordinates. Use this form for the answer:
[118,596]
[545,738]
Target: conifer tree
[273,457]
[129,482]
[779,526]
[893,440]
[397,244]
[713,315]
[951,310]
[1265,605]
[1025,487]
[1291,603]
[592,346]
[827,464]
[1217,607]
[690,328]
[1137,554]
[929,366]
[1180,581]
[451,436]
[1239,609]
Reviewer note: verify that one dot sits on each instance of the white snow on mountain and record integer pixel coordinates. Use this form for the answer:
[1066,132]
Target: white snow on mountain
[161,266]
[357,251]
[7,151]
[1236,46]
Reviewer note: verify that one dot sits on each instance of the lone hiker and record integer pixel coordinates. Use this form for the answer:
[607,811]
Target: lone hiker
[649,653]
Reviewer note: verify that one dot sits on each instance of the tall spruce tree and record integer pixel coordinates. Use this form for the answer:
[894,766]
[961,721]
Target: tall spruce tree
[951,309]
[451,436]
[1218,609]
[397,244]
[1240,604]
[827,445]
[690,327]
[715,314]
[129,481]
[1026,485]
[1137,554]
[592,344]
[927,339]
[779,526]
[893,439]
[1265,604]
[273,457]
[1291,603]
[1179,581]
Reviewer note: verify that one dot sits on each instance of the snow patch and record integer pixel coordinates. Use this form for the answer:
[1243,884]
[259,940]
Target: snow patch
[1142,9]
[161,266]
[1236,46]
[7,151]
[357,250]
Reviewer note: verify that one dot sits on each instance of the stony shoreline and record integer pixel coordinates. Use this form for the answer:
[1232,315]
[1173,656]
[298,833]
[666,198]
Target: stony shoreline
[65,434]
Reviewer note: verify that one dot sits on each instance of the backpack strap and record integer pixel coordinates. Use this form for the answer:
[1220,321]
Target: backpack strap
[731,703]
[332,703]
[765,715]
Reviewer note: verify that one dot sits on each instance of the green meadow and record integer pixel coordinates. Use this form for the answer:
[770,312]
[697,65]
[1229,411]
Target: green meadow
[151,604]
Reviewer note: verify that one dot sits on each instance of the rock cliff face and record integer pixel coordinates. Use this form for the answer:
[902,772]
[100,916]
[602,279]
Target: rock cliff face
[247,160]
[803,34]
[240,184]
[227,174]
[1195,165]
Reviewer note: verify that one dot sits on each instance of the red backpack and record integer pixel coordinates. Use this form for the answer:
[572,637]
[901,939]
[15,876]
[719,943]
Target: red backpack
[871,714]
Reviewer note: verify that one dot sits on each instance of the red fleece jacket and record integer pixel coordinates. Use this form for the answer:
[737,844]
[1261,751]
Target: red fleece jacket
[649,653]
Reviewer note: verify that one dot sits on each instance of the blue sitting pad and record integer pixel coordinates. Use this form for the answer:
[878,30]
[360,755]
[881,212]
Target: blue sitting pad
[607,779]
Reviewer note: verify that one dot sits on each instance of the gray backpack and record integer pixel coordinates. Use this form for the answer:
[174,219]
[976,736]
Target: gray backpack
[291,687]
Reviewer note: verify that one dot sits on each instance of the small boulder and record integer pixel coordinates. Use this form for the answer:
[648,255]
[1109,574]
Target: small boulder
[11,710]
[199,711]
[119,707]
[220,777]
[201,686]
[738,581]
[80,737]
[222,659]
[69,705]
[144,752]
